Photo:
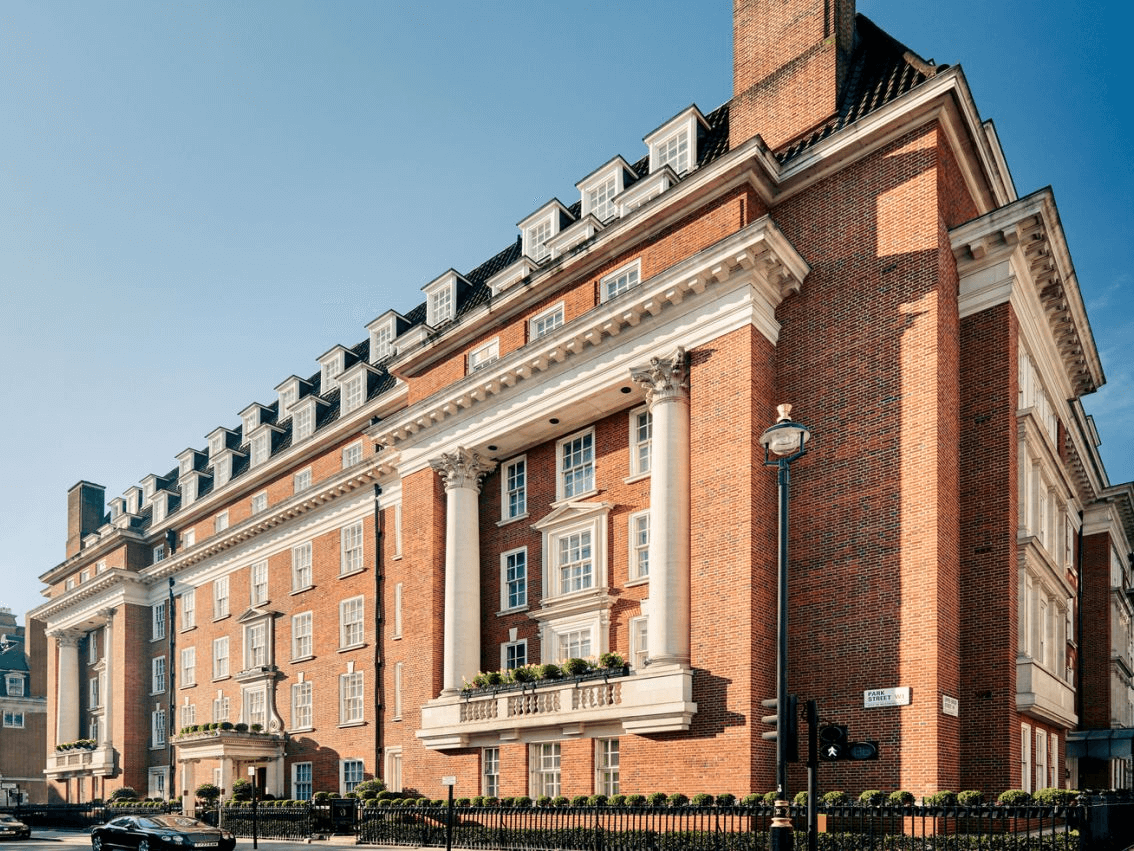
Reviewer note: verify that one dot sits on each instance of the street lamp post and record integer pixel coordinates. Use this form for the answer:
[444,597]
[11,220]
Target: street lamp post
[787,441]
[255,831]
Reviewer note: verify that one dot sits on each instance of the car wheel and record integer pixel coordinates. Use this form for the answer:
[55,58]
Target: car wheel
[96,842]
[143,845]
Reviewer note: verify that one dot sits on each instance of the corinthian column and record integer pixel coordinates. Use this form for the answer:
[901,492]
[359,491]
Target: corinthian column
[462,471]
[67,688]
[666,383]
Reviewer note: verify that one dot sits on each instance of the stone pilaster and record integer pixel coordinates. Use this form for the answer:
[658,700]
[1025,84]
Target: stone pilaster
[666,384]
[462,471]
[105,728]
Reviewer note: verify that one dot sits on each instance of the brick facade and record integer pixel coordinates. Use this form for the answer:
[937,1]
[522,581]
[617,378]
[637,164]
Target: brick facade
[879,275]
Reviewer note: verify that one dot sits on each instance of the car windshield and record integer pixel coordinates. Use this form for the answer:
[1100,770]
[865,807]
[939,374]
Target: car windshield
[176,822]
[7,818]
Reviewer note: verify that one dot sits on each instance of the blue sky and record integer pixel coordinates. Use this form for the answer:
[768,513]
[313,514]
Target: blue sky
[199,199]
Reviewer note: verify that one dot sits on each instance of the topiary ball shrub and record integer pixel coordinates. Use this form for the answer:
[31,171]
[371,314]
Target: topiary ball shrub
[800,799]
[575,666]
[617,801]
[943,798]
[752,799]
[872,798]
[1054,797]
[770,797]
[611,661]
[635,800]
[525,674]
[543,801]
[656,799]
[597,800]
[701,799]
[1014,798]
[677,799]
[580,800]
[494,678]
[522,801]
[970,798]
[901,798]
[462,802]
[559,801]
[550,671]
[491,801]
[835,798]
[726,799]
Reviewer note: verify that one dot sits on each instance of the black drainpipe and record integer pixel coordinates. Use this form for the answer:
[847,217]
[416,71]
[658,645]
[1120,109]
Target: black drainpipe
[1079,623]
[379,633]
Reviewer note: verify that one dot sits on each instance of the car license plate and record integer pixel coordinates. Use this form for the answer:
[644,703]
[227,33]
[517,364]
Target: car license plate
[205,844]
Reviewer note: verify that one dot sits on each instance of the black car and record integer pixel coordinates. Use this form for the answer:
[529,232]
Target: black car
[12,828]
[160,833]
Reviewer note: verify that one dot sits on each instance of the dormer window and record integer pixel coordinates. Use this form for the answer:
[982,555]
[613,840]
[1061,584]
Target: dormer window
[331,366]
[261,447]
[302,425]
[674,144]
[441,298]
[383,332]
[188,490]
[354,392]
[538,228]
[133,500]
[483,355]
[597,189]
[251,418]
[287,398]
[222,470]
[159,501]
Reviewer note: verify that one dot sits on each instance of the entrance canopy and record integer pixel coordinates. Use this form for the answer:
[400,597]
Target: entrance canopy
[1101,744]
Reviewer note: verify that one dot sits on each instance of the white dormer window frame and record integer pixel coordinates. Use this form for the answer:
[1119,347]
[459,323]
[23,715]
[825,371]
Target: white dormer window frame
[537,230]
[160,504]
[303,419]
[222,470]
[251,418]
[218,442]
[383,336]
[260,447]
[355,387]
[511,275]
[441,299]
[287,394]
[188,490]
[484,354]
[675,142]
[331,366]
[598,189]
[186,462]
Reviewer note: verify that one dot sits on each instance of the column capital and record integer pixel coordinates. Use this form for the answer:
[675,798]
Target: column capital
[462,468]
[65,637]
[665,379]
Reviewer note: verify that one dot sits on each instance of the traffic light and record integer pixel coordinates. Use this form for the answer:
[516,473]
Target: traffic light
[863,750]
[833,742]
[791,742]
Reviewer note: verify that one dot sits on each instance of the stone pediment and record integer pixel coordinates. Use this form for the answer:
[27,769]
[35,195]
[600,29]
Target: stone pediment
[569,511]
[255,613]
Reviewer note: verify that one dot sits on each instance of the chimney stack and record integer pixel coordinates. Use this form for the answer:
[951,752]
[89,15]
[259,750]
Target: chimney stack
[85,512]
[790,59]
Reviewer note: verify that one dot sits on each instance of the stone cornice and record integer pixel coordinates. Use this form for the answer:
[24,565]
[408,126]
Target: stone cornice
[1029,231]
[100,584]
[760,250]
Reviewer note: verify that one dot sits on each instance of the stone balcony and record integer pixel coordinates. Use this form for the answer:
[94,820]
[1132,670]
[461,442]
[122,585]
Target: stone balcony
[89,761]
[1041,694]
[658,699]
[228,744]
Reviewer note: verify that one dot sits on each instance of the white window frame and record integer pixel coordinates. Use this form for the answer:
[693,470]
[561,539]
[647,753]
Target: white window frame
[14,683]
[575,643]
[352,694]
[399,671]
[537,235]
[302,636]
[575,488]
[220,522]
[302,705]
[158,620]
[188,491]
[352,549]
[572,561]
[159,555]
[641,440]
[639,642]
[301,481]
[158,682]
[254,705]
[638,538]
[353,393]
[1026,757]
[393,765]
[188,539]
[261,448]
[157,735]
[598,199]
[546,321]
[441,304]
[256,646]
[258,582]
[351,773]
[514,589]
[189,609]
[510,654]
[621,280]
[303,421]
[222,471]
[352,622]
[93,693]
[607,753]
[221,600]
[382,337]
[301,567]
[220,658]
[1041,757]
[483,355]
[302,781]
[546,769]
[514,489]
[287,394]
[259,502]
[221,707]
[13,719]
[352,454]
[188,666]
[490,772]
[398,592]
[331,366]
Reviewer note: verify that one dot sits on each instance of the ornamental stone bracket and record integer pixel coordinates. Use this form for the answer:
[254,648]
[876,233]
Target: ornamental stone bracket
[462,468]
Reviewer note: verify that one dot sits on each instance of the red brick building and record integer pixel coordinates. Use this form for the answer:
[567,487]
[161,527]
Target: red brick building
[556,456]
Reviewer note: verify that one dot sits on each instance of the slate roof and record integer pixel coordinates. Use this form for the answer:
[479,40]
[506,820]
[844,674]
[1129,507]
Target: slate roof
[881,69]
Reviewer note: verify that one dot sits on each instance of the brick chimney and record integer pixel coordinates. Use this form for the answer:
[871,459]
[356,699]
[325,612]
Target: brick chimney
[790,59]
[85,509]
